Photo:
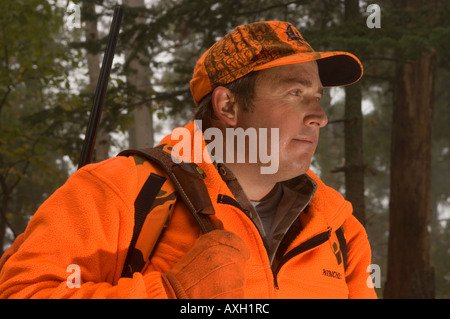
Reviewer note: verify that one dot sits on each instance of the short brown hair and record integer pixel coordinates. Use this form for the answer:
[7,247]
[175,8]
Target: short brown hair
[243,90]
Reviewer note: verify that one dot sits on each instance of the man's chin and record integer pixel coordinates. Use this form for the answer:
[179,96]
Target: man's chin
[288,172]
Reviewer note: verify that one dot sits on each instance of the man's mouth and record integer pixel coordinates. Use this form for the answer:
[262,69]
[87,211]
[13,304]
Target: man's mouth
[306,139]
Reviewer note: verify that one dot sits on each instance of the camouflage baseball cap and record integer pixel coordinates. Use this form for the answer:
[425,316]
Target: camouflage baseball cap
[263,45]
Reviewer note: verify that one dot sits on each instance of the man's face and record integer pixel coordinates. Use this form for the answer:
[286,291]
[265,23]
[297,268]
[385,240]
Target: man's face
[287,98]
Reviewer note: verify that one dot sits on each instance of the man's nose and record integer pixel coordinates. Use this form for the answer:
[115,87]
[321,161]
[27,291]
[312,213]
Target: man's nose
[316,116]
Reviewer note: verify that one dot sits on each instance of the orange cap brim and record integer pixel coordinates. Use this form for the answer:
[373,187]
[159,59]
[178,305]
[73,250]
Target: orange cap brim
[335,68]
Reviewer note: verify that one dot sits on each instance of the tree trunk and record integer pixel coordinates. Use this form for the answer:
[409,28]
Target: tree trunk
[102,141]
[353,131]
[3,221]
[141,134]
[410,274]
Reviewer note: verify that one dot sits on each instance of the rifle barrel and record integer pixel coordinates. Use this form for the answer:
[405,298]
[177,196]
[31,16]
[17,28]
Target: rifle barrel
[100,91]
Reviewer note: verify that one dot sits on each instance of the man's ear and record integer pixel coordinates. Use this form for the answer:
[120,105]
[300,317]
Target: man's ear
[224,106]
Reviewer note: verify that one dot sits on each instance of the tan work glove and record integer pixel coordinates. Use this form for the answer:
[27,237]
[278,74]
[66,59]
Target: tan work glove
[213,268]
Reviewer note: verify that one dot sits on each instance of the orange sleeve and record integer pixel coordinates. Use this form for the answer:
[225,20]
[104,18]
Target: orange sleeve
[88,222]
[359,258]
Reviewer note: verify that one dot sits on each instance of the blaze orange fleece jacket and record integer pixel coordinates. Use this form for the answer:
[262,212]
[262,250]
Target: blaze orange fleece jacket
[89,222]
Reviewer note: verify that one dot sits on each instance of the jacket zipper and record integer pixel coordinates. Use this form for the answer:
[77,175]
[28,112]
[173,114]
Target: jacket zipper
[311,243]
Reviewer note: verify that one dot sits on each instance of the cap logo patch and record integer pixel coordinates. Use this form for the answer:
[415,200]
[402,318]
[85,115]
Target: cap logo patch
[294,35]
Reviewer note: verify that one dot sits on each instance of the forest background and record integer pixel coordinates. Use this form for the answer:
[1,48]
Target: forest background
[386,147]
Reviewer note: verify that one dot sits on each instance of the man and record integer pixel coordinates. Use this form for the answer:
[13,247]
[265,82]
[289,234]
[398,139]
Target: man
[282,234]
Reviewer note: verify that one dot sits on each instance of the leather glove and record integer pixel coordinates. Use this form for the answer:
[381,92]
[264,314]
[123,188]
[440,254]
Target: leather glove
[212,268]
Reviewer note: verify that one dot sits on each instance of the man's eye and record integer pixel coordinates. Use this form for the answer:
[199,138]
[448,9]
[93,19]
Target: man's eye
[296,92]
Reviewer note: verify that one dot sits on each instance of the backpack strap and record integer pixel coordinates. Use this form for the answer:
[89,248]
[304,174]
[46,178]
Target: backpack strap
[150,219]
[151,214]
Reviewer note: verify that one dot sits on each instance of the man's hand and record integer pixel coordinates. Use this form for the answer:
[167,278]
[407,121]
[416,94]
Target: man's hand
[213,268]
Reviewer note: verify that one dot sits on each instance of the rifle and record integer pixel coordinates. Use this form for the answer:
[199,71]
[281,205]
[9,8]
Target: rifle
[102,84]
